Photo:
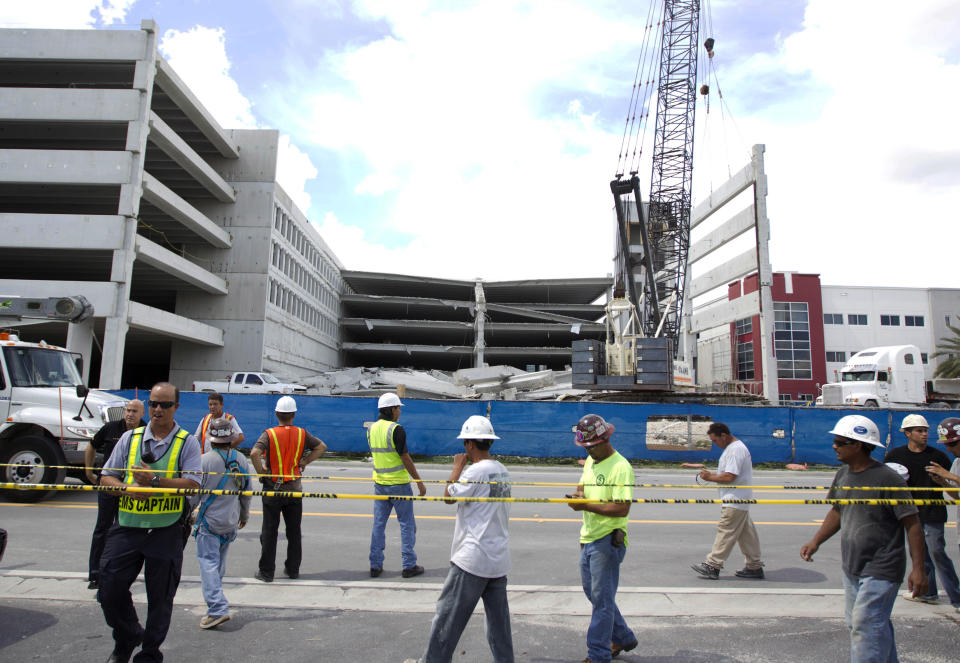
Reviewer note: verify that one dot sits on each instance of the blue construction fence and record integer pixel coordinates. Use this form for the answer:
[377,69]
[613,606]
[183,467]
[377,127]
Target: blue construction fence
[544,429]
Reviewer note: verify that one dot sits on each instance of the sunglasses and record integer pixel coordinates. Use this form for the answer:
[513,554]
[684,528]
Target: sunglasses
[166,405]
[843,443]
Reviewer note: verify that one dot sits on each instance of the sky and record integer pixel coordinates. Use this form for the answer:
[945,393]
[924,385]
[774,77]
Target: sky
[459,139]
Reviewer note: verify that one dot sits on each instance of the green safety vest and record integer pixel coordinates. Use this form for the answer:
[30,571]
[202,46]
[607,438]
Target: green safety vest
[159,510]
[388,469]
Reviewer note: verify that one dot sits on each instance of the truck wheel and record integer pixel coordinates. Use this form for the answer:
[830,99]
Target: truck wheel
[870,404]
[26,460]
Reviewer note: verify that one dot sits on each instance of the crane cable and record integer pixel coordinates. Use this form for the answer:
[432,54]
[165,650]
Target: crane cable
[640,93]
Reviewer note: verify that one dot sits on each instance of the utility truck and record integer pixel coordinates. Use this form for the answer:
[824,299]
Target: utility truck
[887,376]
[251,383]
[47,415]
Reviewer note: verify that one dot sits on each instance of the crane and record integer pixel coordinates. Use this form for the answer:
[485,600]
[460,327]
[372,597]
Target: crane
[653,238]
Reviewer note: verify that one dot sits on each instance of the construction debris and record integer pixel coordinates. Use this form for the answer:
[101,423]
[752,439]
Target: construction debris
[490,382]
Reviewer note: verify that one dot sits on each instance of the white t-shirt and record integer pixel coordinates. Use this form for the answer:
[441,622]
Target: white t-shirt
[735,459]
[480,538]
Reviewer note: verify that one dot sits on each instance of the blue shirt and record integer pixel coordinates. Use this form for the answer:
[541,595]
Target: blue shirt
[189,462]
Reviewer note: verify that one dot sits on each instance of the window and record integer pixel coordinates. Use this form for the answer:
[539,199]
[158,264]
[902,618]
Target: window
[890,320]
[833,318]
[913,320]
[253,378]
[923,357]
[856,319]
[744,326]
[838,357]
[745,361]
[791,337]
[785,399]
[908,359]
[238,378]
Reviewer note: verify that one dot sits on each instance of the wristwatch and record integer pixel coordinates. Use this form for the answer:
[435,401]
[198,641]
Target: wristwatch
[155,481]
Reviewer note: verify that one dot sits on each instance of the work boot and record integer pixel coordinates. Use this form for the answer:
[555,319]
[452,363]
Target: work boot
[706,571]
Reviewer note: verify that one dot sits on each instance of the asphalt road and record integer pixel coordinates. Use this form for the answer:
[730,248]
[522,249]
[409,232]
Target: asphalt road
[336,612]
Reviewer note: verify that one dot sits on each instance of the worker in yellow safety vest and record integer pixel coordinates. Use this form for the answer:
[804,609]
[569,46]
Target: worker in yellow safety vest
[284,447]
[392,471]
[152,526]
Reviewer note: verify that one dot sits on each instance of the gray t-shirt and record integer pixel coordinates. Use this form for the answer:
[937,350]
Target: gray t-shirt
[225,511]
[871,537]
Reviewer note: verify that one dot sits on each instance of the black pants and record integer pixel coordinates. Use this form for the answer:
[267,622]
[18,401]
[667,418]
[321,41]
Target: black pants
[291,508]
[107,506]
[160,553]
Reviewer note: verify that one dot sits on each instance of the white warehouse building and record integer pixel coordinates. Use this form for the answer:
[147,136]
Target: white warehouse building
[117,184]
[858,317]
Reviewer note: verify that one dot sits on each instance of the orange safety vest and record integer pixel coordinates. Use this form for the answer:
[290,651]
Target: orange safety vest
[203,430]
[286,449]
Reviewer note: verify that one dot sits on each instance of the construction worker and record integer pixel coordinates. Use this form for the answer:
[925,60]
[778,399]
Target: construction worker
[152,527]
[220,517]
[480,554]
[215,405]
[871,540]
[603,537]
[916,456]
[735,526]
[949,436]
[392,471]
[284,447]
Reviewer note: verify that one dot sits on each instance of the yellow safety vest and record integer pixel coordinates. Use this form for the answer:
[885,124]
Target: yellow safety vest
[388,469]
[158,510]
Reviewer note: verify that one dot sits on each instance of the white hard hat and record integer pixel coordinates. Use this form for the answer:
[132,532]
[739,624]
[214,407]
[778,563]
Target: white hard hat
[477,427]
[286,404]
[899,469]
[913,421]
[858,427]
[389,400]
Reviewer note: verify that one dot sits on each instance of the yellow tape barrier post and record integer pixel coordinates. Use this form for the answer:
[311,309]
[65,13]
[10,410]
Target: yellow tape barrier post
[430,498]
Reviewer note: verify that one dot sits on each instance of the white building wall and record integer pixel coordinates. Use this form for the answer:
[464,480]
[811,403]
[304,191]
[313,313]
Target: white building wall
[874,303]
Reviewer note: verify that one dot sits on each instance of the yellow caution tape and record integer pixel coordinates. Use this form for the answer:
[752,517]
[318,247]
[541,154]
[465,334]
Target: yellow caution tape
[709,486]
[429,498]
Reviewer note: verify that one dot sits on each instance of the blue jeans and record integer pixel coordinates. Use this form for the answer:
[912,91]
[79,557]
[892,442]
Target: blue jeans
[212,560]
[408,527]
[868,607]
[939,564]
[600,575]
[459,596]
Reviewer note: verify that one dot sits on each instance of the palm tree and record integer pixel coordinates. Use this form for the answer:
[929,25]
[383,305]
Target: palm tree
[949,347]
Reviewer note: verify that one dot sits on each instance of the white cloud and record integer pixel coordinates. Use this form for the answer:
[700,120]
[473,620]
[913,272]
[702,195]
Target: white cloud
[294,169]
[869,159]
[199,56]
[63,14]
[487,173]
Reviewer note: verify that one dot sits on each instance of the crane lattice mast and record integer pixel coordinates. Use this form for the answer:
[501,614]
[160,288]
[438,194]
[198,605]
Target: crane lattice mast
[653,240]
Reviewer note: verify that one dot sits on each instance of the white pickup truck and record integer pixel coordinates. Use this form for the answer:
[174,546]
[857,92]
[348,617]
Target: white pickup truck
[251,383]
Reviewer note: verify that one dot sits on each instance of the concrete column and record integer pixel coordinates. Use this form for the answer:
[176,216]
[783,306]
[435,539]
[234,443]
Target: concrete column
[479,317]
[115,335]
[771,389]
[80,340]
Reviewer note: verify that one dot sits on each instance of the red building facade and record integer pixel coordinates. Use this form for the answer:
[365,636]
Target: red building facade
[797,336]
